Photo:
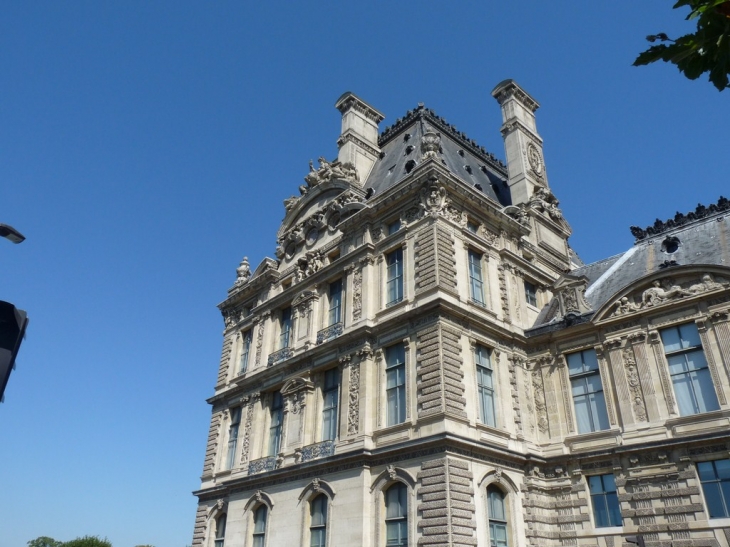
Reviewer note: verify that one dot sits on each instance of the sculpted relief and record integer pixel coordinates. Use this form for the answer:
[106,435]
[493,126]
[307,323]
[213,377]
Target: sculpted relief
[667,290]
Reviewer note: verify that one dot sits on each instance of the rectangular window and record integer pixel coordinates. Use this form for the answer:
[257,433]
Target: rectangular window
[484,385]
[277,415]
[245,352]
[395,276]
[331,392]
[395,384]
[588,398]
[335,301]
[715,480]
[233,437]
[393,227]
[606,508]
[530,294]
[473,227]
[285,334]
[688,368]
[476,286]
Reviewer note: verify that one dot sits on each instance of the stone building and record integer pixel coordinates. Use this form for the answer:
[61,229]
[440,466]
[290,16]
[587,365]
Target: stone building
[427,362]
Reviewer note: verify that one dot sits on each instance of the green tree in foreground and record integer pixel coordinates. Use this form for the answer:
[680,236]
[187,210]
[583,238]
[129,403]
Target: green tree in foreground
[88,541]
[44,541]
[706,50]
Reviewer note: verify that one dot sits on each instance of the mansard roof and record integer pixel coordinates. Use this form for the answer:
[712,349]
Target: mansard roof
[701,239]
[401,143]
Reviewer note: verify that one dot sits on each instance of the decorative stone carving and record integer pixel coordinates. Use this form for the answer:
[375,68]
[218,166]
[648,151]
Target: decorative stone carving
[534,158]
[430,144]
[357,294]
[540,406]
[318,450]
[290,202]
[488,235]
[503,295]
[243,272]
[517,213]
[309,264]
[723,204]
[392,472]
[353,405]
[544,201]
[667,290]
[259,339]
[330,171]
[411,215]
[433,196]
[632,377]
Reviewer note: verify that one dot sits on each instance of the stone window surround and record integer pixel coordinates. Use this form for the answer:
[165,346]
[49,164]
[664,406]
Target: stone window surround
[380,484]
[499,479]
[314,489]
[499,415]
[254,502]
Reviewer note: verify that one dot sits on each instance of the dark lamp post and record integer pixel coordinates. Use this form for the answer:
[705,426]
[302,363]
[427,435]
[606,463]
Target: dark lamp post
[11,233]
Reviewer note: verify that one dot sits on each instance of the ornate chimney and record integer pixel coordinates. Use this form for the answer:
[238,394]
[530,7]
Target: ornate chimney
[358,142]
[522,144]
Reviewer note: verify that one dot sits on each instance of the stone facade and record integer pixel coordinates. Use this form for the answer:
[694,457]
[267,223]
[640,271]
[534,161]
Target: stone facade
[427,362]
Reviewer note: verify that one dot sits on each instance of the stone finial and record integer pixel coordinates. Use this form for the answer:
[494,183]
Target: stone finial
[243,272]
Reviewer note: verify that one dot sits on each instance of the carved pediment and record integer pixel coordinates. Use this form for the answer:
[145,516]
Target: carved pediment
[569,291]
[297,384]
[664,289]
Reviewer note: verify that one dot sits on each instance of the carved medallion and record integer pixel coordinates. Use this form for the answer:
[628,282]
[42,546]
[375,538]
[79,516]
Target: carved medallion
[535,159]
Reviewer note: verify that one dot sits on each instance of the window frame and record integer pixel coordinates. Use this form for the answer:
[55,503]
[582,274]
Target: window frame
[695,383]
[219,538]
[723,487]
[233,431]
[485,393]
[334,408]
[530,293]
[604,495]
[584,377]
[285,328]
[403,519]
[392,365]
[335,299]
[476,277]
[323,527]
[246,340]
[261,533]
[276,409]
[492,521]
[394,274]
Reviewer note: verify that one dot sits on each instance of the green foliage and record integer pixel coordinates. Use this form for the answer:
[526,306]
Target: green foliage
[44,541]
[706,50]
[88,541]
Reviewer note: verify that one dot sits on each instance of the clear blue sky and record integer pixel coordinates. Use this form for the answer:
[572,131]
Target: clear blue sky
[146,147]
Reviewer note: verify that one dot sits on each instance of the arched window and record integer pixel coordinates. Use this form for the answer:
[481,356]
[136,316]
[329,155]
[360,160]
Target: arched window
[220,530]
[497,517]
[318,523]
[259,526]
[396,515]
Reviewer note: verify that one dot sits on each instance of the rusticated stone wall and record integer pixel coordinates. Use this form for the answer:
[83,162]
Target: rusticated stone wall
[210,450]
[439,369]
[447,503]
[435,259]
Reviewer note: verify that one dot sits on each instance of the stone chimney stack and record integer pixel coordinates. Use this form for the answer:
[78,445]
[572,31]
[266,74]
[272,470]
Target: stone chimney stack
[358,142]
[522,144]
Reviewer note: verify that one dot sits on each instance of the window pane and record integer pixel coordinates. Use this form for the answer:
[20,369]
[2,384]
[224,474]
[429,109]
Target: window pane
[614,510]
[685,396]
[582,414]
[713,497]
[319,511]
[318,537]
[677,364]
[704,391]
[590,360]
[395,355]
[260,520]
[598,411]
[696,360]
[595,484]
[579,387]
[609,483]
[689,335]
[670,339]
[722,467]
[496,504]
[575,363]
[706,471]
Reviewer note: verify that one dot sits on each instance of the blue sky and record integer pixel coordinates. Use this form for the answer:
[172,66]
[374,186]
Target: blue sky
[146,147]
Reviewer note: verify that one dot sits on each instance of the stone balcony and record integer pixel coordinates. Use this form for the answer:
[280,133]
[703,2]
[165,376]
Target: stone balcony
[316,451]
[279,355]
[263,464]
[328,333]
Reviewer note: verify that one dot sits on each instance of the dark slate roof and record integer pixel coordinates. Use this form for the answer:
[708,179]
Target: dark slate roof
[703,239]
[401,144]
